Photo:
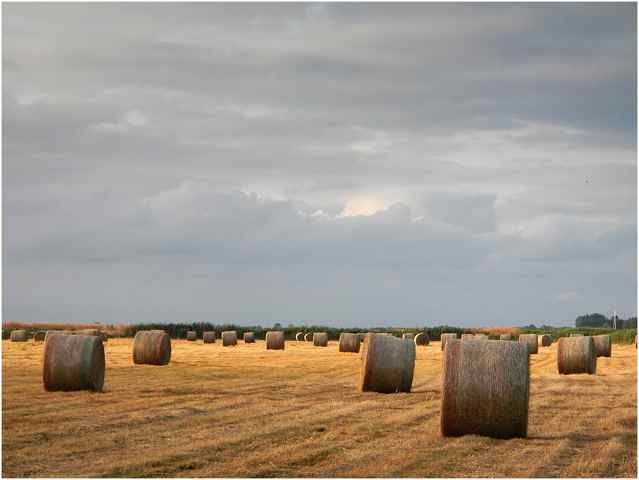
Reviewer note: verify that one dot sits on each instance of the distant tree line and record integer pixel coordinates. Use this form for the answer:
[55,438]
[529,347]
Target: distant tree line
[598,320]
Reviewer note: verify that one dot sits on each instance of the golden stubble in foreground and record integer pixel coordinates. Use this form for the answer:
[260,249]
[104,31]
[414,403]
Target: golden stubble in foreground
[245,411]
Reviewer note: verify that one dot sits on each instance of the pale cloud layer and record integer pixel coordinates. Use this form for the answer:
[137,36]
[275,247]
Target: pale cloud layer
[344,164]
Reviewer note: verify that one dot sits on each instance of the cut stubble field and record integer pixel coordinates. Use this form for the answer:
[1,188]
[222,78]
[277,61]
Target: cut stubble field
[244,411]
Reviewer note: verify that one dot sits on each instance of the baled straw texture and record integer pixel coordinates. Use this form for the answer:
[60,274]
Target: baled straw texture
[73,362]
[388,364]
[191,335]
[530,340]
[208,337]
[275,340]
[576,355]
[18,336]
[299,336]
[409,336]
[422,339]
[545,340]
[39,336]
[349,342]
[308,337]
[320,339]
[505,336]
[445,337]
[603,345]
[485,389]
[249,337]
[151,347]
[229,338]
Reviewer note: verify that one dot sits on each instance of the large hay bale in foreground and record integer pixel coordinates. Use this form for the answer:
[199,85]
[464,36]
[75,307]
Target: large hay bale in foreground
[208,337]
[485,389]
[505,336]
[299,336]
[603,345]
[422,339]
[54,332]
[576,355]
[191,335]
[320,339]
[409,336]
[444,337]
[18,336]
[275,340]
[39,336]
[308,337]
[545,340]
[73,362]
[229,338]
[151,347]
[530,340]
[349,342]
[249,337]
[388,364]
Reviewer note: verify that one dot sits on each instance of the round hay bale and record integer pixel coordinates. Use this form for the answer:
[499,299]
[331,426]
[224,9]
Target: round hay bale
[249,337]
[299,336]
[485,389]
[18,336]
[545,340]
[362,336]
[603,345]
[229,338]
[481,336]
[191,336]
[151,347]
[409,336]
[576,334]
[530,340]
[320,339]
[39,336]
[208,337]
[54,332]
[349,342]
[467,336]
[422,339]
[576,355]
[308,337]
[505,336]
[388,364]
[73,362]
[444,337]
[275,340]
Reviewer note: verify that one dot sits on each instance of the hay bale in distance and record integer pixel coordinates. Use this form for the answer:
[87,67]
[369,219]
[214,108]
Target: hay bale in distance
[387,365]
[18,336]
[505,336]
[320,339]
[409,336]
[421,339]
[73,362]
[308,337]
[545,340]
[275,340]
[481,336]
[299,336]
[39,336]
[349,342]
[54,332]
[151,347]
[603,345]
[467,336]
[576,334]
[229,338]
[191,335]
[530,340]
[485,389]
[576,355]
[444,337]
[208,336]
[249,337]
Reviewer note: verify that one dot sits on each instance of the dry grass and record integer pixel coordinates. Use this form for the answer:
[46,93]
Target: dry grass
[214,412]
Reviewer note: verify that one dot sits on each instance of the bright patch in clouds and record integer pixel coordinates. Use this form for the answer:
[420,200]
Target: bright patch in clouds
[363,206]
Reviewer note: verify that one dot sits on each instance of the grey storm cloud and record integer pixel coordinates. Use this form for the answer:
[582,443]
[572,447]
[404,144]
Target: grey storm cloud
[345,164]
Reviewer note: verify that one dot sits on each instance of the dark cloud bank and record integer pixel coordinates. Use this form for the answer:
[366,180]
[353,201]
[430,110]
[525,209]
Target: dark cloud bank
[341,164]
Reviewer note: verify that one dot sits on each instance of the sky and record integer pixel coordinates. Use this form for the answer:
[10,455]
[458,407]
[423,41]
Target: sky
[338,164]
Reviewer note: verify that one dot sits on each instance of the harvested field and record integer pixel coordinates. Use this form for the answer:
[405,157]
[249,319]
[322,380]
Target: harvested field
[243,411]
